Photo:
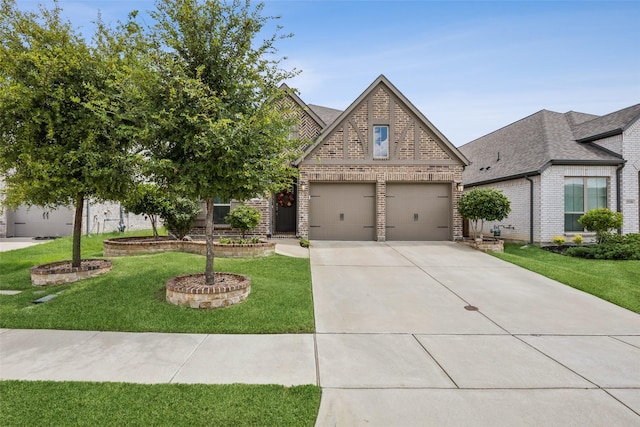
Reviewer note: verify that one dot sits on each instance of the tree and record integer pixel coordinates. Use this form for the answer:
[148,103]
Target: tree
[601,221]
[483,204]
[244,218]
[221,130]
[181,216]
[149,200]
[58,106]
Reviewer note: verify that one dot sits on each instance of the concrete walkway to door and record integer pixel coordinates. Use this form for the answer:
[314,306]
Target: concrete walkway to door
[400,342]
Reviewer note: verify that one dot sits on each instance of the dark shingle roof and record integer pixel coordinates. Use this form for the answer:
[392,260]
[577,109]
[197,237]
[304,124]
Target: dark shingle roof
[529,145]
[611,124]
[328,115]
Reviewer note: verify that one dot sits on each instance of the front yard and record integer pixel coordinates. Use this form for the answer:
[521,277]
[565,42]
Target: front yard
[132,296]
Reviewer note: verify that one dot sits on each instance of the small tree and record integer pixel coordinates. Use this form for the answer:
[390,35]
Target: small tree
[483,204]
[601,221]
[244,218]
[180,217]
[149,200]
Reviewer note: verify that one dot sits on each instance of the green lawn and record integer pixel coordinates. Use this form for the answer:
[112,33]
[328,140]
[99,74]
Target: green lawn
[614,281]
[47,403]
[132,296]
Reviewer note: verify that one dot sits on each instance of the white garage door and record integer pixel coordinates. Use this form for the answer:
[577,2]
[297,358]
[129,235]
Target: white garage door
[40,222]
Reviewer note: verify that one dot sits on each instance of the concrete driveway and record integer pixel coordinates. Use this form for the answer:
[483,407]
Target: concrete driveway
[421,334]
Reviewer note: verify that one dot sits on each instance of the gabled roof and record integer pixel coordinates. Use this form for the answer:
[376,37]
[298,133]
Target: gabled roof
[328,115]
[314,115]
[528,146]
[611,124]
[382,80]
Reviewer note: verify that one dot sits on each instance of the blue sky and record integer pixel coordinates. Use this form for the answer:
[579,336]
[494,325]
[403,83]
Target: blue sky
[471,67]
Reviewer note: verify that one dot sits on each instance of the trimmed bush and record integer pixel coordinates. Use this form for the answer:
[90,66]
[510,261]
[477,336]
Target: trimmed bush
[244,218]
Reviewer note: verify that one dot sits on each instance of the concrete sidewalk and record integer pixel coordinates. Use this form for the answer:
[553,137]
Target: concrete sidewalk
[408,334]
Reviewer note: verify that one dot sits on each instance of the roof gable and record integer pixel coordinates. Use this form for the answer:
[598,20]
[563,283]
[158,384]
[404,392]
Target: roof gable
[413,137]
[608,125]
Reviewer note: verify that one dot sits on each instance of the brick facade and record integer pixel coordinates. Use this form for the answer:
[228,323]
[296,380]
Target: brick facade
[417,154]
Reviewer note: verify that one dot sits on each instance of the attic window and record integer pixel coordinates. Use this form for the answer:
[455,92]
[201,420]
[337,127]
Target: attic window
[381,142]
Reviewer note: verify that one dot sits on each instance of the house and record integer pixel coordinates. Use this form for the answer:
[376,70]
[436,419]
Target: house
[380,170]
[554,167]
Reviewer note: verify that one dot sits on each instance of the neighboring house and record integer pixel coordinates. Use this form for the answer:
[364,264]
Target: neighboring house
[554,167]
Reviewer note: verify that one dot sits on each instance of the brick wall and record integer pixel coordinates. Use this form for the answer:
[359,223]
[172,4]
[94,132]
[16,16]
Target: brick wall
[345,155]
[552,196]
[630,199]
[516,226]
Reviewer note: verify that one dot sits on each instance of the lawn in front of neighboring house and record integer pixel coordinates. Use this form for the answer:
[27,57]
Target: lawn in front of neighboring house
[131,297]
[615,281]
[48,403]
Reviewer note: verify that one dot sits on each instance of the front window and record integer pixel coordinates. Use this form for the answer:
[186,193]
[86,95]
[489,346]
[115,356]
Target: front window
[582,195]
[381,142]
[221,209]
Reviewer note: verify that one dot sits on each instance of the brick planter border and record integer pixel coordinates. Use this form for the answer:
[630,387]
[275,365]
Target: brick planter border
[182,291]
[485,245]
[55,274]
[146,245]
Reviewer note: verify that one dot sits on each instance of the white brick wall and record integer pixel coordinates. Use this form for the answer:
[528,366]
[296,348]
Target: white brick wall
[552,195]
[613,143]
[518,222]
[630,198]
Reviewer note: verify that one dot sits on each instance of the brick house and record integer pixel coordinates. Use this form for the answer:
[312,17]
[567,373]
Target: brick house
[380,170]
[556,166]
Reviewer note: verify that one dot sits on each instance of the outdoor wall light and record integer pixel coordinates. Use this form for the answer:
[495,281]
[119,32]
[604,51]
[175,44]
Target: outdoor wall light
[459,186]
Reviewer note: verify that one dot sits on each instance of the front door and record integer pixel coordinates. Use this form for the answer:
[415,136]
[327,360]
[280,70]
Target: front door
[286,202]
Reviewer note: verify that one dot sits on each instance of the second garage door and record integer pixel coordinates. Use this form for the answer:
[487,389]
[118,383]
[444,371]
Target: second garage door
[342,211]
[418,211]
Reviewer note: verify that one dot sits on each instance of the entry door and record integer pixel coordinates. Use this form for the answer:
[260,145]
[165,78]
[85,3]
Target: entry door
[418,212]
[342,211]
[286,203]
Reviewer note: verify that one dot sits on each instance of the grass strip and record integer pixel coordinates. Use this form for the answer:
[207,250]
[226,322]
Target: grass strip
[613,281]
[47,403]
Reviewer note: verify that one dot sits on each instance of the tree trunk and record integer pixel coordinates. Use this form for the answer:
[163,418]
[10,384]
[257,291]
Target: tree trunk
[209,275]
[77,231]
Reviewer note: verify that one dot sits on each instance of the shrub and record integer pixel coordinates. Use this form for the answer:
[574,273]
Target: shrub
[180,216]
[559,240]
[616,248]
[578,239]
[244,218]
[581,252]
[601,221]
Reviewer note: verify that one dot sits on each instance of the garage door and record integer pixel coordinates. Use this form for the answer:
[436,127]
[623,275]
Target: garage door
[418,211]
[40,222]
[342,211]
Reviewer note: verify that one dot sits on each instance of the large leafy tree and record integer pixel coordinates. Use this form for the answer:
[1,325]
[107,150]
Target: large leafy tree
[58,106]
[220,127]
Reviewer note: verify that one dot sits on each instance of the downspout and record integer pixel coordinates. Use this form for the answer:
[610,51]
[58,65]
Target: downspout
[87,225]
[530,209]
[619,191]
